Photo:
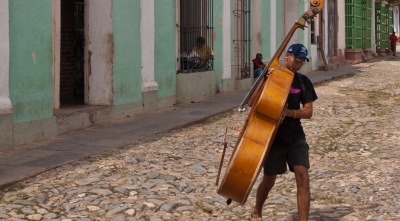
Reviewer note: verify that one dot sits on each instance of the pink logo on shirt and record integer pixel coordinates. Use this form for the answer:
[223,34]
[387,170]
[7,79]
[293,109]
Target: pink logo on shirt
[294,90]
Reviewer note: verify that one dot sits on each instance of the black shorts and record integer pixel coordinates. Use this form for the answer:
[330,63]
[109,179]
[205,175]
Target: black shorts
[297,154]
[393,46]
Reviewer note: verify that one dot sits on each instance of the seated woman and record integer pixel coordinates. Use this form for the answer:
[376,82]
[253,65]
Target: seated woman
[203,54]
[258,65]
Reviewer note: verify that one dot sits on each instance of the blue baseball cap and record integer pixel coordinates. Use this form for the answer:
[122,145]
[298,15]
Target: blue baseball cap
[299,51]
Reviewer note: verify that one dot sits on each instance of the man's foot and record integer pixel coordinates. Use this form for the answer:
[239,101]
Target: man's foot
[255,216]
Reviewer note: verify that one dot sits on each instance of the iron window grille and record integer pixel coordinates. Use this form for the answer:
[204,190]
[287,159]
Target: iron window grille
[196,27]
[242,38]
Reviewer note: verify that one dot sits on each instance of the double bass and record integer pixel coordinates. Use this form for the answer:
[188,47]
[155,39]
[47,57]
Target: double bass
[268,96]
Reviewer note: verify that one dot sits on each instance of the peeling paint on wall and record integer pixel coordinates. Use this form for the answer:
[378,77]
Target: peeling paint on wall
[34,57]
[110,51]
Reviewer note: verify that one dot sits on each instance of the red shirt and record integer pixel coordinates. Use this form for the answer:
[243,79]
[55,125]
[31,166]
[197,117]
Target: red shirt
[393,39]
[257,63]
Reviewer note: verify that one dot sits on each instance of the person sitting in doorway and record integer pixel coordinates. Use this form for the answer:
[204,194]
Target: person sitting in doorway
[258,65]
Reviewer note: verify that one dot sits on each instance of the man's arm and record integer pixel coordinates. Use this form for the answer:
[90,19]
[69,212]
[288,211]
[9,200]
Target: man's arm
[303,113]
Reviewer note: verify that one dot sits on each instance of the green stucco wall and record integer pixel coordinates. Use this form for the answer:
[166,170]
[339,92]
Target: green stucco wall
[266,33]
[165,48]
[127,52]
[31,85]
[279,23]
[217,23]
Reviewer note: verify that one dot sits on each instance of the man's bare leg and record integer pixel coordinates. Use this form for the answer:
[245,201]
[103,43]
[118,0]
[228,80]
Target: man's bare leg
[303,191]
[262,194]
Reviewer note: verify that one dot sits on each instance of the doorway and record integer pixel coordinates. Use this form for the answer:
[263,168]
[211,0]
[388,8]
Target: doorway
[72,46]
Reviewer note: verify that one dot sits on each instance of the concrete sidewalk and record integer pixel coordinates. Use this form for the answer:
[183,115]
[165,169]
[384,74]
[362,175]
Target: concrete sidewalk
[76,145]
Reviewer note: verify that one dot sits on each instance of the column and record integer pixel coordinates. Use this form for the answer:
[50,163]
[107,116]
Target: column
[5,102]
[147,39]
[226,43]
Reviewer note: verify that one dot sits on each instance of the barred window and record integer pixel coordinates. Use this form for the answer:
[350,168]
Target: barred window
[313,34]
[196,30]
[242,38]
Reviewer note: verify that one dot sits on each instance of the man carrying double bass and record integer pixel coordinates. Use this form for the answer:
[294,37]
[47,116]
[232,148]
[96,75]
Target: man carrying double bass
[290,146]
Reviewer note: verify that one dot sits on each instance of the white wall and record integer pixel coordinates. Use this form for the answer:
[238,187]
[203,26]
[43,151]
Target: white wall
[373,37]
[341,44]
[147,26]
[306,32]
[99,52]
[256,27]
[396,20]
[273,42]
[5,102]
[226,43]
[291,15]
[315,54]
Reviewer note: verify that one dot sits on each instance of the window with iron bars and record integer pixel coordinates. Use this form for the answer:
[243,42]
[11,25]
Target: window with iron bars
[313,34]
[196,31]
[242,38]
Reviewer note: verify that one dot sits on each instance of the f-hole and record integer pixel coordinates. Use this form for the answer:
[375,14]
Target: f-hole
[72,76]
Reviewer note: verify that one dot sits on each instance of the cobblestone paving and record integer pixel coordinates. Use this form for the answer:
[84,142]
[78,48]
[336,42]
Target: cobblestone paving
[354,142]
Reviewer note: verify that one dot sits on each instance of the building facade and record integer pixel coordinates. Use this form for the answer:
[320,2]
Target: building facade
[69,64]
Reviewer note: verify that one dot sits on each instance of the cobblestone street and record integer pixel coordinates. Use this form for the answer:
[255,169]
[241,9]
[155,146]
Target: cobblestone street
[354,139]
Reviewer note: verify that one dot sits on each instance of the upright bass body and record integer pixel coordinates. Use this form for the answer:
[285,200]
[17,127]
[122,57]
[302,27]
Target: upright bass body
[263,121]
[254,144]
